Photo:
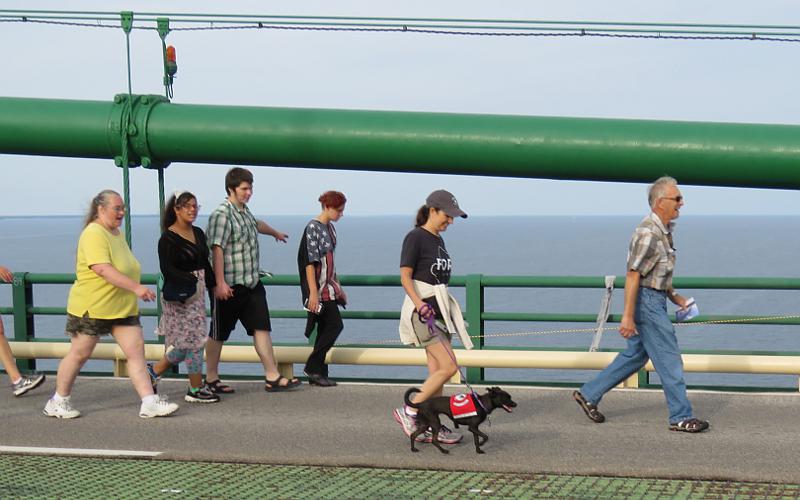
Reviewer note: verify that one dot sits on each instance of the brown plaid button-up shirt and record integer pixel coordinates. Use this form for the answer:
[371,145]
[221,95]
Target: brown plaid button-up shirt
[236,232]
[651,253]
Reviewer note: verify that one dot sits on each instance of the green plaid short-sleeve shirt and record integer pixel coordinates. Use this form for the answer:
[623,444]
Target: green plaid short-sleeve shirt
[651,253]
[235,231]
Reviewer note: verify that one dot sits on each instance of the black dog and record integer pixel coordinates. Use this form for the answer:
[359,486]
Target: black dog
[428,415]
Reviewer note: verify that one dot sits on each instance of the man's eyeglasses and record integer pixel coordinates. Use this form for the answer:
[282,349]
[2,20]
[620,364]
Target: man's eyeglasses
[676,199]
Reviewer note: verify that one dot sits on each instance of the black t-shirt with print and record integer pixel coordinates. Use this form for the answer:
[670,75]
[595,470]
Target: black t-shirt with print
[425,253]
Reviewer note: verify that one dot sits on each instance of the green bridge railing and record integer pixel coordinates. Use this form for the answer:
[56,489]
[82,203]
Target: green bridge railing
[23,310]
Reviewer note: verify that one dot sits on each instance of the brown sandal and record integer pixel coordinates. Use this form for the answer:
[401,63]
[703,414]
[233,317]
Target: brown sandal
[589,409]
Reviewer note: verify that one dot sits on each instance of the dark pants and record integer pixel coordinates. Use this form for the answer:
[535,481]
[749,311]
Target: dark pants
[329,326]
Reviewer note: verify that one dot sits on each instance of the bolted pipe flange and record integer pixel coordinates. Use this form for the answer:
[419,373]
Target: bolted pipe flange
[135,128]
[140,141]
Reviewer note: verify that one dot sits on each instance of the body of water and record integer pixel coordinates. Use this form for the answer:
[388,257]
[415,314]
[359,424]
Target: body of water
[526,245]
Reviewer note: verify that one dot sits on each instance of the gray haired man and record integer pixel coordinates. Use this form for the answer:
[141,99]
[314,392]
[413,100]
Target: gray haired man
[645,323]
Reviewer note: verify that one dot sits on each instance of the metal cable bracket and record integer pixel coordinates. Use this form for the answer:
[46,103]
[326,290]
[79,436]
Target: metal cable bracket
[602,315]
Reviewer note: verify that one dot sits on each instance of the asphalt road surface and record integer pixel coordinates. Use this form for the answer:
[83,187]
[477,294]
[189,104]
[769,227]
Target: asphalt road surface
[753,437]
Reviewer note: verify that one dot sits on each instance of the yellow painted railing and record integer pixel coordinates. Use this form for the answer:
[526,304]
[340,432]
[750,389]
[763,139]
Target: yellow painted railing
[570,360]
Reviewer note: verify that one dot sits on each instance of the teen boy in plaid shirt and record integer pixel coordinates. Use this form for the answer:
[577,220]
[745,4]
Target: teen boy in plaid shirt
[239,294]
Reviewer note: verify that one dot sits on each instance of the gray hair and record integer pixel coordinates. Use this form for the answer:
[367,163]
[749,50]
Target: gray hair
[102,199]
[656,190]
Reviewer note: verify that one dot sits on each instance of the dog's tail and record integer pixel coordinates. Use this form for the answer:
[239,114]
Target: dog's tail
[407,397]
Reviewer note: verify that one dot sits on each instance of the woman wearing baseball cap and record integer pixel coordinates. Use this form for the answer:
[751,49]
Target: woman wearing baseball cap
[430,315]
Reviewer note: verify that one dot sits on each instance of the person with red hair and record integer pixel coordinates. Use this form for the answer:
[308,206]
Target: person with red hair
[321,292]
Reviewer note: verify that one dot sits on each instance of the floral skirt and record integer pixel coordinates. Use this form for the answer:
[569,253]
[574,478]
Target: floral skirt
[184,325]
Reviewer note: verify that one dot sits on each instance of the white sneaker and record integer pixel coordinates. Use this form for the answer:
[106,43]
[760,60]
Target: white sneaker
[60,409]
[406,421]
[159,407]
[446,436]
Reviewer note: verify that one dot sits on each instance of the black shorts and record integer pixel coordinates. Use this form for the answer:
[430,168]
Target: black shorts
[248,305]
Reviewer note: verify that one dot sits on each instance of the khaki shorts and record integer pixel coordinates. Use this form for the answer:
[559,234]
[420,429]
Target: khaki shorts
[97,327]
[424,337]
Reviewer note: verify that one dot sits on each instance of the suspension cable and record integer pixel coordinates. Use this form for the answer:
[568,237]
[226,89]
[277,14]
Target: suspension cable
[429,26]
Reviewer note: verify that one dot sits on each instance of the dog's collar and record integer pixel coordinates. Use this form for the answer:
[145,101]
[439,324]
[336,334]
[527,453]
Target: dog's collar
[477,398]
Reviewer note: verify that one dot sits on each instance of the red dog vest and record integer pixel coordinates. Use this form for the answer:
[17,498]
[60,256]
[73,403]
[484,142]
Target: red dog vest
[462,406]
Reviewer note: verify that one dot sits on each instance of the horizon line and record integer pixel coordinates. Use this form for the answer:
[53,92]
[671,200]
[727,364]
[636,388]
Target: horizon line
[68,216]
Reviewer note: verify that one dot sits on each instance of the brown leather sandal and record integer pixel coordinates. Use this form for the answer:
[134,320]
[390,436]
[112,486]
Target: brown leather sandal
[589,409]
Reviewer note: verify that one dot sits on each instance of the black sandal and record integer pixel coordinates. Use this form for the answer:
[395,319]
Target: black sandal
[589,409]
[218,387]
[691,425]
[275,385]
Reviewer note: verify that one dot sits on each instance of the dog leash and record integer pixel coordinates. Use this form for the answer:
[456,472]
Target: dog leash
[677,325]
[427,315]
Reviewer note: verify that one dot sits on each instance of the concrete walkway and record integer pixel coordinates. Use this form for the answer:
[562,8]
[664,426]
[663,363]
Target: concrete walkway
[754,437]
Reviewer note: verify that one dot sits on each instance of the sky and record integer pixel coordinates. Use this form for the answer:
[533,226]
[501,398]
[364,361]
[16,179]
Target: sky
[732,81]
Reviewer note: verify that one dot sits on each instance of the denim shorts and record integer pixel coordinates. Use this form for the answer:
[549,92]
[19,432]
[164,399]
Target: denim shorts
[97,327]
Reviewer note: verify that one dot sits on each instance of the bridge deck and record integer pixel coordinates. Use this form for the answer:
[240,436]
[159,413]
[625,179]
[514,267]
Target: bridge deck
[754,437]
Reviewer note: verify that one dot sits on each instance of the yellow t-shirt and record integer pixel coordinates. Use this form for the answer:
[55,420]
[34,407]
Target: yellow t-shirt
[92,294]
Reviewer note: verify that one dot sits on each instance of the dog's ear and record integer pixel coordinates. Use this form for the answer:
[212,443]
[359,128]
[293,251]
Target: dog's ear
[494,389]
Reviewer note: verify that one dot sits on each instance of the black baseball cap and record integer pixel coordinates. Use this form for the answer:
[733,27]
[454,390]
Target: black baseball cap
[444,200]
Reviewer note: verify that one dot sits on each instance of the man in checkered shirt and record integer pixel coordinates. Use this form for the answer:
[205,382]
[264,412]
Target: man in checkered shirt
[645,323]
[239,295]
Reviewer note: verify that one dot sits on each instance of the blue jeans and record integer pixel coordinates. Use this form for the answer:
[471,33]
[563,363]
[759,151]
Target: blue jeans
[656,341]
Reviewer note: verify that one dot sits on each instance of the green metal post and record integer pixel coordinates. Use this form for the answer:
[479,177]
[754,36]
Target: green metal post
[475,319]
[161,198]
[21,299]
[312,339]
[644,379]
[160,285]
[126,20]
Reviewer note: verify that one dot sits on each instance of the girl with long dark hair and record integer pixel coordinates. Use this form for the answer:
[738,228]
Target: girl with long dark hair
[183,258]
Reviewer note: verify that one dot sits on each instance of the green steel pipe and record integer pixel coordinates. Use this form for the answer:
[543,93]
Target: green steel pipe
[723,154]
[52,127]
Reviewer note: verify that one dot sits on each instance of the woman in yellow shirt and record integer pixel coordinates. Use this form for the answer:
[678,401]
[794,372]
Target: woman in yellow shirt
[104,301]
